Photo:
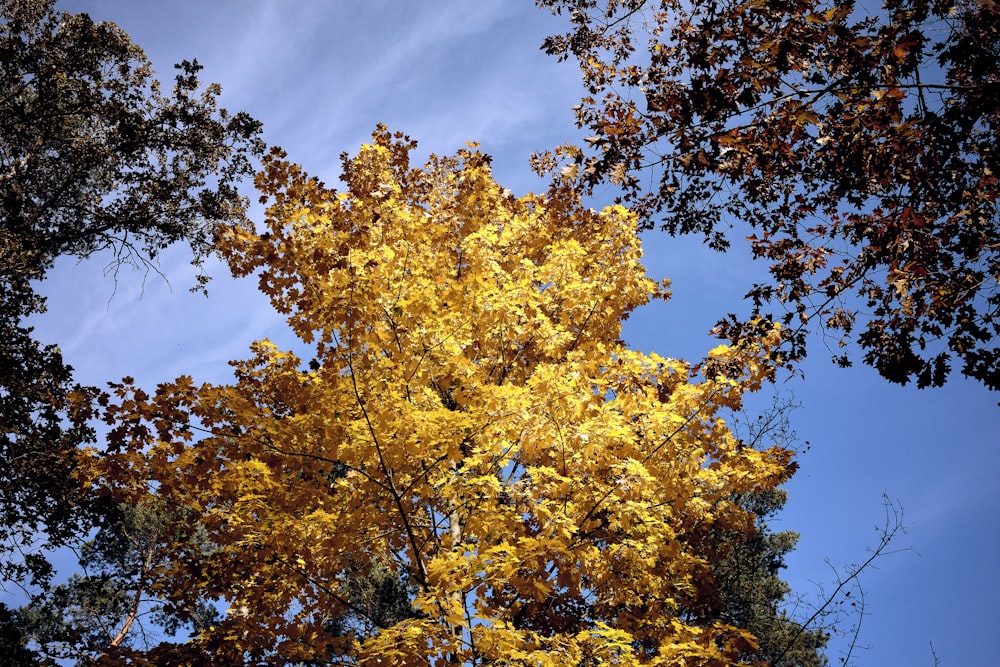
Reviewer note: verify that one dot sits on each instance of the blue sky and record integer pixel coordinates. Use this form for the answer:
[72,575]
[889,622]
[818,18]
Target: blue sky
[321,74]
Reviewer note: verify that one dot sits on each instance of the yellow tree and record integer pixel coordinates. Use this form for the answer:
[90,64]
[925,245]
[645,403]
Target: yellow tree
[468,420]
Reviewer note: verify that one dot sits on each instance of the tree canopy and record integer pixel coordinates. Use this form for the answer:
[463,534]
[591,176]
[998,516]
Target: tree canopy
[94,157]
[460,413]
[854,147]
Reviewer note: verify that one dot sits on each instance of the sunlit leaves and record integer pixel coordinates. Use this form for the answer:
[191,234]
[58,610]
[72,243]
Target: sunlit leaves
[468,420]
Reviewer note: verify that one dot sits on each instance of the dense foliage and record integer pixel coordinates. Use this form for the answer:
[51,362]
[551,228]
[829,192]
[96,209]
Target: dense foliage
[467,421]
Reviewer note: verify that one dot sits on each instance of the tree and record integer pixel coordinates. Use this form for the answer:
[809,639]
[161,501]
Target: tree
[855,148]
[468,420]
[38,494]
[96,157]
[13,653]
[752,594]
[110,602]
[746,573]
[93,157]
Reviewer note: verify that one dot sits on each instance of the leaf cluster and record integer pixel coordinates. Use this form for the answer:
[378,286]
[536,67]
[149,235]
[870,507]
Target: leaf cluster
[855,148]
[95,156]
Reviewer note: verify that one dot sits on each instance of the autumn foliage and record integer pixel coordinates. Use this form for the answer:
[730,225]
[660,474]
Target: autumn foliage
[460,413]
[852,144]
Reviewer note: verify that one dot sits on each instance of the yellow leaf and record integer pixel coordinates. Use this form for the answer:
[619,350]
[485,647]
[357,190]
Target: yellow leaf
[470,433]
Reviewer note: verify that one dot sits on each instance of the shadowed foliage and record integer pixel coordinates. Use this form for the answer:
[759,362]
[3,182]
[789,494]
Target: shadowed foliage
[94,158]
[853,146]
